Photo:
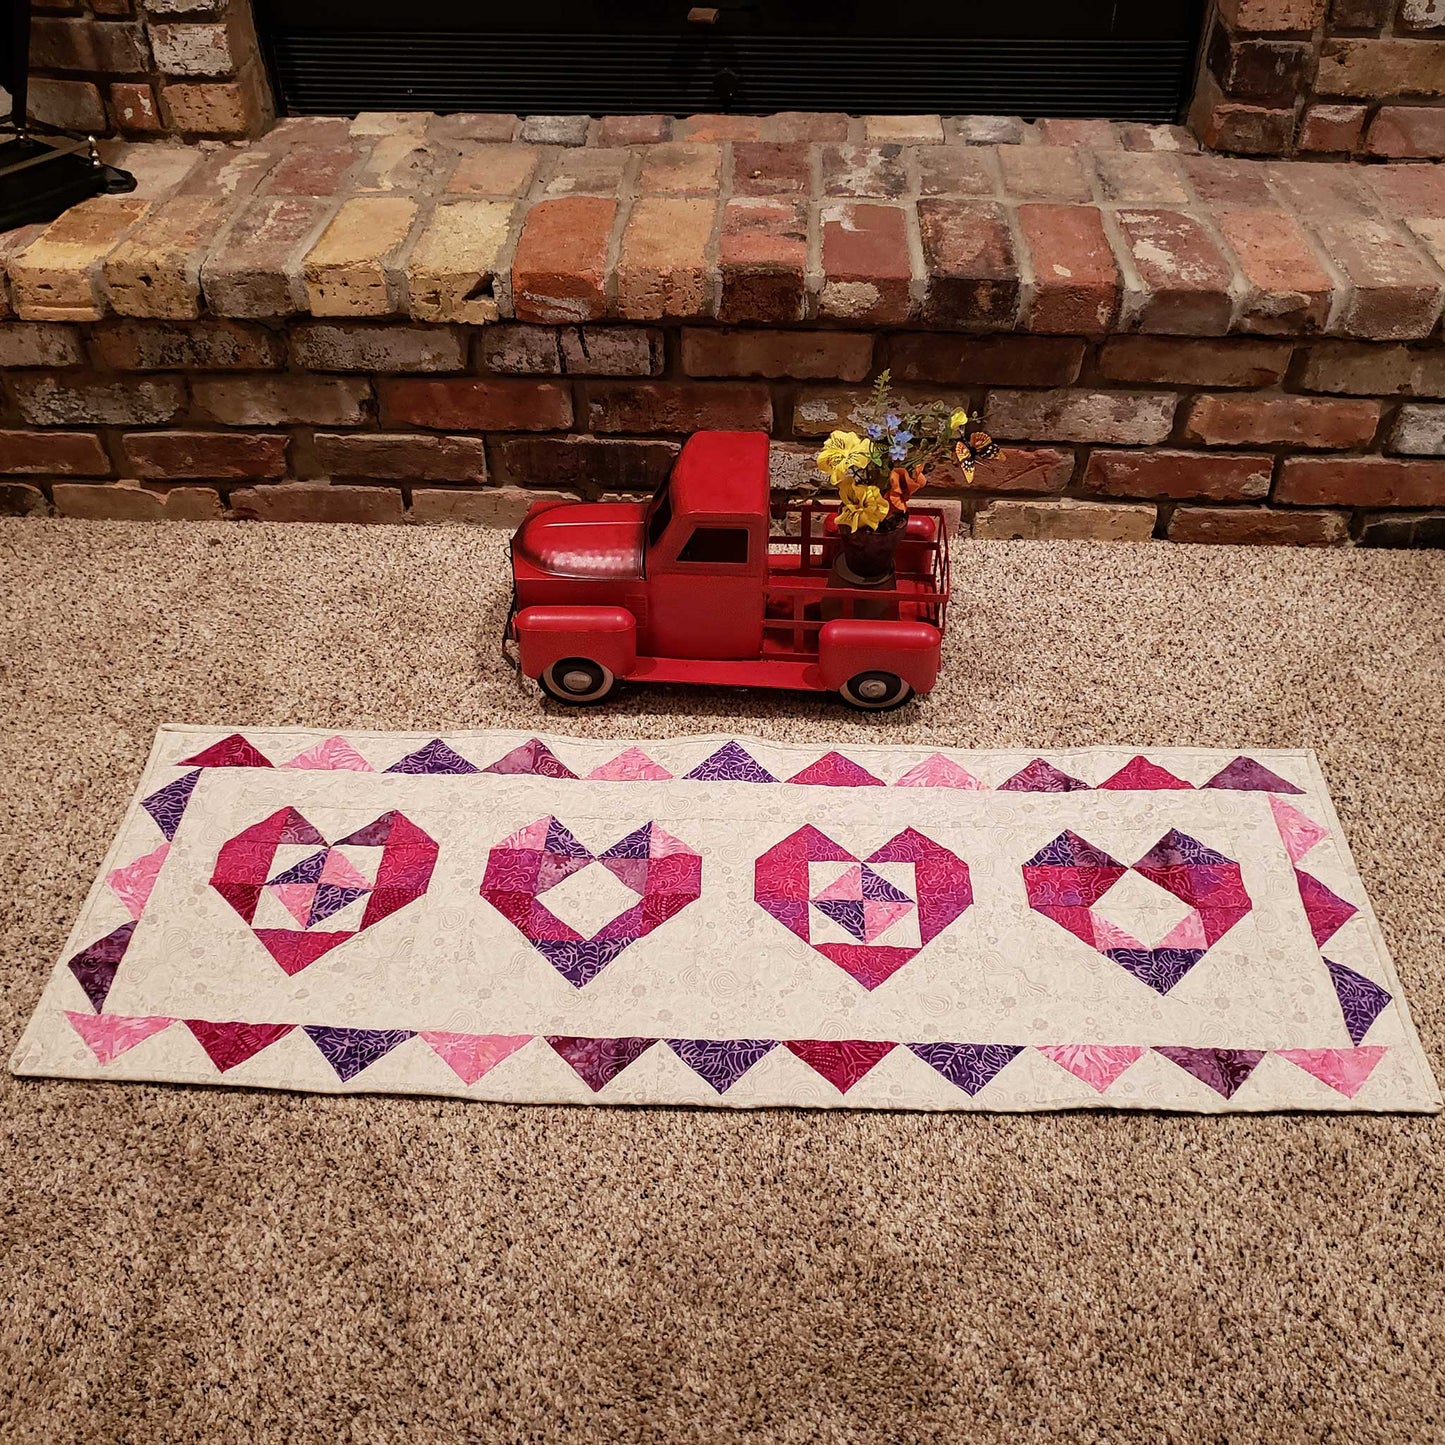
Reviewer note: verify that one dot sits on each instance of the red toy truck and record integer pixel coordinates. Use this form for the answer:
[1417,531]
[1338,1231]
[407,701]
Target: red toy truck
[707,583]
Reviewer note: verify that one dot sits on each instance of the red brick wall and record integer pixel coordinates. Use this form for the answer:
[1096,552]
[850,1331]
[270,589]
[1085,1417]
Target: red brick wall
[1246,439]
[148,67]
[1324,77]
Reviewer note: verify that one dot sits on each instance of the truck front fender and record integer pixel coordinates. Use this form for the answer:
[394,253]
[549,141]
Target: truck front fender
[605,635]
[850,645]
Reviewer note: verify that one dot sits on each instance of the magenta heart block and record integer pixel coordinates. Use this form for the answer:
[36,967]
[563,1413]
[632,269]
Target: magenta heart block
[315,888]
[942,890]
[1068,876]
[664,872]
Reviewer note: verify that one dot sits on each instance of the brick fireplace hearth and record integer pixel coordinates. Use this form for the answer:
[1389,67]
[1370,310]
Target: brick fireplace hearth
[405,317]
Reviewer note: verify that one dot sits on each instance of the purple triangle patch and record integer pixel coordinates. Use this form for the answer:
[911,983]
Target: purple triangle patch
[435,757]
[231,752]
[1224,1070]
[308,870]
[721,1062]
[95,967]
[349,1051]
[967,1066]
[1244,775]
[598,1061]
[1042,777]
[533,756]
[846,912]
[169,804]
[561,841]
[1160,968]
[732,763]
[373,835]
[579,961]
[1362,1000]
[330,900]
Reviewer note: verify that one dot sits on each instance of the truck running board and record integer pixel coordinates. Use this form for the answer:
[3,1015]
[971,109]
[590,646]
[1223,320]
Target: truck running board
[796,676]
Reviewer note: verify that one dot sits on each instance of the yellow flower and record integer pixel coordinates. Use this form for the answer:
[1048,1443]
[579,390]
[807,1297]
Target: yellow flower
[843,451]
[867,507]
[958,420]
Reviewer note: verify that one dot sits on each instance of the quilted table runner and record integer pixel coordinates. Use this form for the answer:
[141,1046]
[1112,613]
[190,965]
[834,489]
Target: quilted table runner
[728,921]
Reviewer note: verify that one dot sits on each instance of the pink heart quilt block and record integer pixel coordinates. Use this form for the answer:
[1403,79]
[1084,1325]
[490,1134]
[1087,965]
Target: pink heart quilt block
[860,899]
[303,896]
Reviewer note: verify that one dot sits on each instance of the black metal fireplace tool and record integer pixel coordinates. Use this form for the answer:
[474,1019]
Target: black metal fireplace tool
[40,178]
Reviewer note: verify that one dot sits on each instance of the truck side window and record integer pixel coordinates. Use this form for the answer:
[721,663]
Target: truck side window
[718,545]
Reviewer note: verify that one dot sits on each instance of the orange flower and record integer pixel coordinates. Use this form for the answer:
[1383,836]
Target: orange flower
[902,486]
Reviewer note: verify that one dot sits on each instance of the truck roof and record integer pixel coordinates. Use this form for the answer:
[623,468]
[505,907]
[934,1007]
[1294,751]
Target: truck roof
[722,471]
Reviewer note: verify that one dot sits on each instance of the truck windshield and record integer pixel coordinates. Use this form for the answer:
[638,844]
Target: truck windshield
[661,515]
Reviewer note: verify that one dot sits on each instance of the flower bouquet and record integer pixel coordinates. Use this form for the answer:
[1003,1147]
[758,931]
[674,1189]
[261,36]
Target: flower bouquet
[877,474]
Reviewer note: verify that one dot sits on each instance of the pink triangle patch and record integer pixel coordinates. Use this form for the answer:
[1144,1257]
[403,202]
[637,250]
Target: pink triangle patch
[632,766]
[295,951]
[296,899]
[340,872]
[841,1061]
[470,1056]
[231,752]
[1098,1065]
[133,883]
[1298,833]
[1326,910]
[331,755]
[938,771]
[108,1036]
[833,770]
[1344,1070]
[846,887]
[1140,775]
[230,1043]
[879,915]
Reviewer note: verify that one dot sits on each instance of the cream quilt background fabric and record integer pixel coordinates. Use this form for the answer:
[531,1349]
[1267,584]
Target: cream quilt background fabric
[876,927]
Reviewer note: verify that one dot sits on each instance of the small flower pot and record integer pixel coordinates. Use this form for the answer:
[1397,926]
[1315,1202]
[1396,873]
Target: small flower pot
[869,553]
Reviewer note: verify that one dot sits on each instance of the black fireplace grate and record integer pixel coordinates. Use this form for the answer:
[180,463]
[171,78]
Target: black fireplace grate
[339,71]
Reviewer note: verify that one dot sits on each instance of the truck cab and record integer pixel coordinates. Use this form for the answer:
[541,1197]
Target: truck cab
[698,585]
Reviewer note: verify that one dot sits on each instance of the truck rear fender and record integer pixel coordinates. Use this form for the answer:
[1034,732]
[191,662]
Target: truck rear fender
[850,645]
[605,635]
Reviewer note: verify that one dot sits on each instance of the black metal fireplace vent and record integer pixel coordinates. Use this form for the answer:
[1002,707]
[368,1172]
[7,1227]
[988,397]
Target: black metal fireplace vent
[1125,59]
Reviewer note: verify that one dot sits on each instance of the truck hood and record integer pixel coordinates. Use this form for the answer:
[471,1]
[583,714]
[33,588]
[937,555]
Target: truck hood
[584,539]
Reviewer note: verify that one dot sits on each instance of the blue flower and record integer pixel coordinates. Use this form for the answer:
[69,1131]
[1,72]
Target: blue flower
[875,432]
[892,421]
[903,436]
[898,451]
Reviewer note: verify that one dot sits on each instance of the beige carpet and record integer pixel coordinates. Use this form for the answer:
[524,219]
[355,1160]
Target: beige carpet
[181,1265]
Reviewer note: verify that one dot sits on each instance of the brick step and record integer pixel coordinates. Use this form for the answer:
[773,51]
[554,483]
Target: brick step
[347,219]
[406,317]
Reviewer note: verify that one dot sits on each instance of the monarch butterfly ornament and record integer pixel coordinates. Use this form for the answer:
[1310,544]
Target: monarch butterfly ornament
[973,450]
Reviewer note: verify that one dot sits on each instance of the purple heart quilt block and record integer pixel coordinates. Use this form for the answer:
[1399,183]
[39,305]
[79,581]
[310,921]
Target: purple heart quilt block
[664,873]
[1068,877]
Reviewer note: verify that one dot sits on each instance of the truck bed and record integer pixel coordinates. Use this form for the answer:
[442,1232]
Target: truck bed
[801,593]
